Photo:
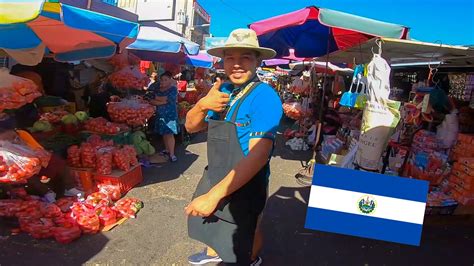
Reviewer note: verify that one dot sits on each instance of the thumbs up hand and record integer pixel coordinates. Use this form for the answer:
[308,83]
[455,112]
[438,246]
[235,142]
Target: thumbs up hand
[214,100]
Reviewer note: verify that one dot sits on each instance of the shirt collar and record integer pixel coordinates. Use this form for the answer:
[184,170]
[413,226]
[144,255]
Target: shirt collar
[236,90]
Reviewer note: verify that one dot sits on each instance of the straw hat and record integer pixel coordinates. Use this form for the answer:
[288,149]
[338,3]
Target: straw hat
[243,38]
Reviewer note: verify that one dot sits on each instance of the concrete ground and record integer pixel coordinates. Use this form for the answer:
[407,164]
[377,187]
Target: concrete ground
[158,236]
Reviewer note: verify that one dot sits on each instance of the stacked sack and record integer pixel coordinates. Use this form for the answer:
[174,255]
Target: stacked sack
[462,176]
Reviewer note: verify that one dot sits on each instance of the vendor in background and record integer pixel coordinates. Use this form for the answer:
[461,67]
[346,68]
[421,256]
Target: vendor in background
[59,180]
[154,83]
[166,122]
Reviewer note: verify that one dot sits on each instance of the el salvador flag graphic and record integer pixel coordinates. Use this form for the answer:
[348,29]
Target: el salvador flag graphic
[367,205]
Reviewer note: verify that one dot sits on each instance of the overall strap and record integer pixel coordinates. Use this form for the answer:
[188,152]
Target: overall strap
[241,100]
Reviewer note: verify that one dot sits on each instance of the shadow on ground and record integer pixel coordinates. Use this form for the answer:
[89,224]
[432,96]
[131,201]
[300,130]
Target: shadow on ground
[22,249]
[447,240]
[154,173]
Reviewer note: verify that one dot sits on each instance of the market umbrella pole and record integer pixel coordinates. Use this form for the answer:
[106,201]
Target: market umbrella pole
[321,107]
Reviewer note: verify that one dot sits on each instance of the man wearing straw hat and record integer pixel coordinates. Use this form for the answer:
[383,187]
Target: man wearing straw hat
[242,118]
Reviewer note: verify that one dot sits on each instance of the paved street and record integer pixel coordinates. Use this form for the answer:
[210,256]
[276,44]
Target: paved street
[158,236]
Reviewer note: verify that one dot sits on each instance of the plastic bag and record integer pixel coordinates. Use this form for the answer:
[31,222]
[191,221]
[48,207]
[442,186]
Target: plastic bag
[129,78]
[112,191]
[65,235]
[128,207]
[121,159]
[132,154]
[100,125]
[293,110]
[97,142]
[119,61]
[104,161]
[130,112]
[88,156]
[18,162]
[88,222]
[16,91]
[74,156]
[106,215]
[97,198]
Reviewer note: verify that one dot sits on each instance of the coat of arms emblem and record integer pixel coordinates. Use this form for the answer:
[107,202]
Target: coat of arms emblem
[367,204]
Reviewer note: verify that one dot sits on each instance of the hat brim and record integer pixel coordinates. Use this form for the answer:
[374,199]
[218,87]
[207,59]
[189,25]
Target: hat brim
[264,53]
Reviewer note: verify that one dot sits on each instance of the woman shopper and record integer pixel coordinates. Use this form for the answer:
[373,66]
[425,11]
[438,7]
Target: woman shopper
[166,123]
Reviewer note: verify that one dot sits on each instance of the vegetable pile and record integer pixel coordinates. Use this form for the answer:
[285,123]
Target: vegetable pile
[129,78]
[141,144]
[102,155]
[130,112]
[16,91]
[67,219]
[100,125]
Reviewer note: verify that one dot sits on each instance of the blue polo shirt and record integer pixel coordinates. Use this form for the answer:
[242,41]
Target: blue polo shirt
[258,116]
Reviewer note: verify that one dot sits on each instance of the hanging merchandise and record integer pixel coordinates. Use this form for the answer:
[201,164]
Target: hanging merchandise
[380,116]
[459,90]
[16,91]
[129,77]
[361,99]
[349,97]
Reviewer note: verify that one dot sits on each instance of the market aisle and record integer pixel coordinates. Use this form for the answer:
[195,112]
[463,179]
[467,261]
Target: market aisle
[158,236]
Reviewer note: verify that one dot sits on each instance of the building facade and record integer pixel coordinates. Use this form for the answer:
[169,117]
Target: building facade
[185,17]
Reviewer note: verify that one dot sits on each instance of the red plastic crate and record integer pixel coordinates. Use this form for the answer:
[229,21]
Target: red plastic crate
[125,180]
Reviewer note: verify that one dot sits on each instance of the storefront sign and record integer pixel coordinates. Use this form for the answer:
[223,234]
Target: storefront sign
[202,12]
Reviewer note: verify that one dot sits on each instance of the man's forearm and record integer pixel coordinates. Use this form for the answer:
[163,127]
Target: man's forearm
[245,170]
[195,119]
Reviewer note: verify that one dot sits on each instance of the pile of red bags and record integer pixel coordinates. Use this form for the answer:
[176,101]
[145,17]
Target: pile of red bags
[16,91]
[68,218]
[130,112]
[40,219]
[19,162]
[102,155]
[100,125]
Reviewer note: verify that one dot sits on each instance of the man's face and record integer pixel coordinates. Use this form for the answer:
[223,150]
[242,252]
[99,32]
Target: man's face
[240,64]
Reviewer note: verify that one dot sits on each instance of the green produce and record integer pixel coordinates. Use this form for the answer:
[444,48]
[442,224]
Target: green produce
[69,119]
[151,150]
[42,126]
[82,116]
[141,144]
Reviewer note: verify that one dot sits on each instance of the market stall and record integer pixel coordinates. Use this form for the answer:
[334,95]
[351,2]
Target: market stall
[57,142]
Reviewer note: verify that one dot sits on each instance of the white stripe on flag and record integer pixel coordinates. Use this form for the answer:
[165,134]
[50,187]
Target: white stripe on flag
[386,207]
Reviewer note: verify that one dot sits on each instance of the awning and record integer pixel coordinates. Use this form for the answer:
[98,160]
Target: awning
[314,31]
[31,29]
[153,39]
[397,51]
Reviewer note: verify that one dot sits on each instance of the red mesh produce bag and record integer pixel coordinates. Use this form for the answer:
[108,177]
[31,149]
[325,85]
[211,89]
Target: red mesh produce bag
[16,91]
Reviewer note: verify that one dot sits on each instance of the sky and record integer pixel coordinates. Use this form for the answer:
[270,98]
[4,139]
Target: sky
[445,21]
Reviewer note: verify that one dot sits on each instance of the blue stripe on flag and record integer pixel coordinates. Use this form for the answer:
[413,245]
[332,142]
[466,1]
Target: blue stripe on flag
[370,183]
[363,226]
